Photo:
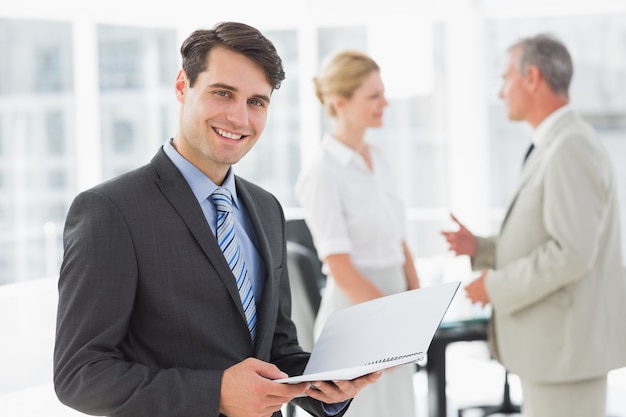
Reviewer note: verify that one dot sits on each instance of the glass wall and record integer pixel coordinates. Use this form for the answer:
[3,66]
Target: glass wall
[38,124]
[81,102]
[120,122]
[37,173]
[136,71]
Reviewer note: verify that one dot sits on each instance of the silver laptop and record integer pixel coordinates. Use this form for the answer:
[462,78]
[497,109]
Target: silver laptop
[378,334]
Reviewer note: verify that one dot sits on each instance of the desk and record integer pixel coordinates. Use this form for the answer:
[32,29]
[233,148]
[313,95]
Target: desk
[448,332]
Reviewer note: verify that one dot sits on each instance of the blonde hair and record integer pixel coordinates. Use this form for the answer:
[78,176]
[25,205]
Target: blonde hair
[342,73]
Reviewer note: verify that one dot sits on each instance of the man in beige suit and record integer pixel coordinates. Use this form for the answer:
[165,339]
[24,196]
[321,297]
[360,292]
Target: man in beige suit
[554,273]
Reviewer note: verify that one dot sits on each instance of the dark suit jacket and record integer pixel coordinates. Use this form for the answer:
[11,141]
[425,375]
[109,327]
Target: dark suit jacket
[149,314]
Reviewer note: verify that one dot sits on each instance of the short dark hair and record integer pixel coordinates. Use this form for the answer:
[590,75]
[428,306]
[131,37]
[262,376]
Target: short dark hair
[550,56]
[237,37]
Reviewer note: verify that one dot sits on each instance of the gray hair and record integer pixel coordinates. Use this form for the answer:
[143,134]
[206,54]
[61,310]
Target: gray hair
[550,56]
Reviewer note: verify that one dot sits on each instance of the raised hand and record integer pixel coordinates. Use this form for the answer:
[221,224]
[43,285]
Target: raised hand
[462,241]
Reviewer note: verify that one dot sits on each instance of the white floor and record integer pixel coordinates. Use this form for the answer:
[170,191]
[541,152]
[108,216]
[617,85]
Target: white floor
[27,316]
[474,379]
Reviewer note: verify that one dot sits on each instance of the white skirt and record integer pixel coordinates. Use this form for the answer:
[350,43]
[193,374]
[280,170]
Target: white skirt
[393,394]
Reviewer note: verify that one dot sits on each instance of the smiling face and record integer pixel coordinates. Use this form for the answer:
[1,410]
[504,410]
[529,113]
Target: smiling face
[223,114]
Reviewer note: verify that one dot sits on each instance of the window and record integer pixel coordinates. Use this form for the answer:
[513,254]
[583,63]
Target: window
[123,138]
[138,110]
[36,81]
[55,133]
[48,69]
[120,65]
[56,180]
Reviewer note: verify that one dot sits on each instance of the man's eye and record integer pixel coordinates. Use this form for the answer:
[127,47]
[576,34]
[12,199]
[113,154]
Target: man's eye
[222,93]
[256,102]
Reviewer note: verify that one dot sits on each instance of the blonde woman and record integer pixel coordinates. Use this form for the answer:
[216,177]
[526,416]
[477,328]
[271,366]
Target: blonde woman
[355,215]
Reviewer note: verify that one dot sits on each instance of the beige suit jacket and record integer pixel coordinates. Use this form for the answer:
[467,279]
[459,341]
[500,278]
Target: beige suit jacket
[558,286]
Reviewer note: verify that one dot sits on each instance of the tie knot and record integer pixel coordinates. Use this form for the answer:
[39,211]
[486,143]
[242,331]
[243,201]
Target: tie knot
[223,200]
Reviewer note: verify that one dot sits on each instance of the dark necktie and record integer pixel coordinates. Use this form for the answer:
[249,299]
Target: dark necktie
[529,151]
[228,243]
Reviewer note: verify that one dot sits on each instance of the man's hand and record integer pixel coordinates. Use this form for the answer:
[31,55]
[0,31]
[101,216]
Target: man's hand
[340,391]
[462,242]
[476,290]
[247,389]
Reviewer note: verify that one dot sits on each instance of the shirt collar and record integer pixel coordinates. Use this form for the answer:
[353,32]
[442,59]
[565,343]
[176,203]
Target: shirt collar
[335,148]
[548,123]
[201,185]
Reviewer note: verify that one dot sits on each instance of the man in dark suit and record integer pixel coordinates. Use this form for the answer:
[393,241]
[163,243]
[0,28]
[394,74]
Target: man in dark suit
[150,319]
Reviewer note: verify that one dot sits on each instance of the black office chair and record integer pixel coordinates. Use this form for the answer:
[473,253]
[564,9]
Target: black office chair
[506,407]
[306,280]
[298,231]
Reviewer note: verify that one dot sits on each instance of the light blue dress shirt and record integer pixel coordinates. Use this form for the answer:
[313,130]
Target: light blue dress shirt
[202,187]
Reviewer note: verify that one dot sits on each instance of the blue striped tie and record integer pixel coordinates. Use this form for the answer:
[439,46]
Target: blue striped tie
[228,243]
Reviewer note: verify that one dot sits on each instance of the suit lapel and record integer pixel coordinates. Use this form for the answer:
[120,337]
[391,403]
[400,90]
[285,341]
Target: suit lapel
[176,190]
[528,170]
[534,161]
[245,194]
[268,307]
